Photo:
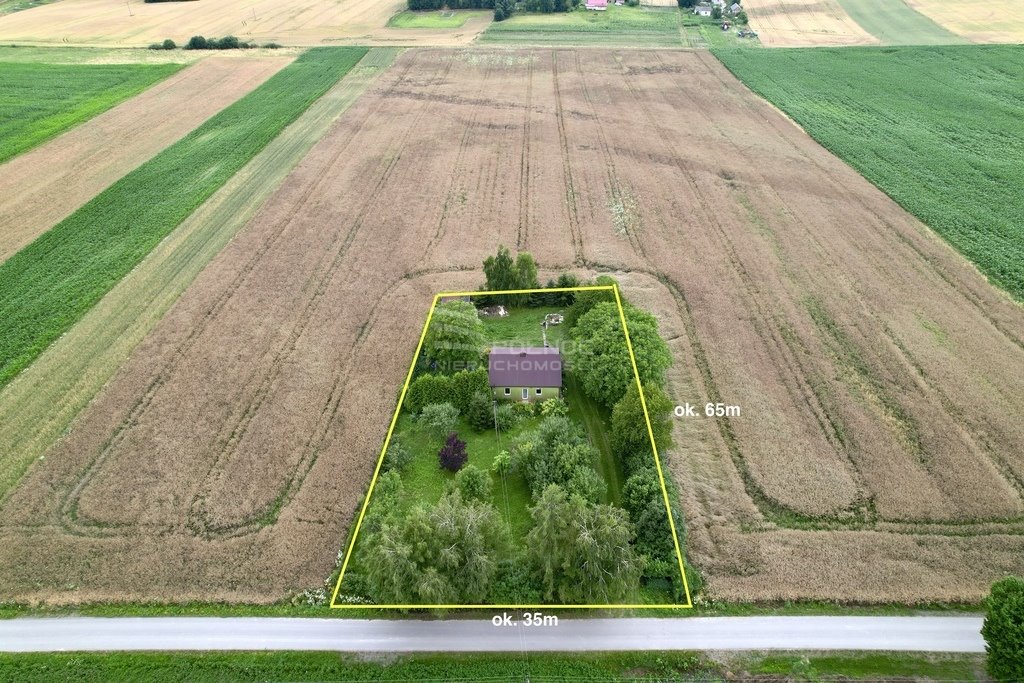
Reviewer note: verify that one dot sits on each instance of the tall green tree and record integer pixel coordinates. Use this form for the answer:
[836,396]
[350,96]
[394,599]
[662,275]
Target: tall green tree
[600,356]
[444,554]
[584,301]
[558,453]
[455,338]
[581,551]
[501,274]
[629,438]
[1003,629]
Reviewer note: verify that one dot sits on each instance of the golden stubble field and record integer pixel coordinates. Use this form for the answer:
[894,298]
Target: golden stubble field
[296,22]
[981,21]
[880,378]
[805,23]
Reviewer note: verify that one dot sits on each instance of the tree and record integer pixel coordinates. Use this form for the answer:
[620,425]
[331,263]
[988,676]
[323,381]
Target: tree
[426,390]
[1003,629]
[686,3]
[558,453]
[584,301]
[473,483]
[455,338]
[480,412]
[742,18]
[453,453]
[397,457]
[526,277]
[716,13]
[467,383]
[439,418]
[501,275]
[601,358]
[629,435]
[503,9]
[581,551]
[445,554]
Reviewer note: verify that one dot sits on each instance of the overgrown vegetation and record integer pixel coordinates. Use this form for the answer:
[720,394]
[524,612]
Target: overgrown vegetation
[936,128]
[48,285]
[40,101]
[540,468]
[1004,630]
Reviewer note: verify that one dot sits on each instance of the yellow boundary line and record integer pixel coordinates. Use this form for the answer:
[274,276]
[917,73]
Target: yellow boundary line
[394,420]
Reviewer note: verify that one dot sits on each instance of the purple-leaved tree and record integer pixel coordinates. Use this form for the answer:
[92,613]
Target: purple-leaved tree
[453,454]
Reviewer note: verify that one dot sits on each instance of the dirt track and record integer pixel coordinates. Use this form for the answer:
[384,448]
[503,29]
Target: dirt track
[40,188]
[298,22]
[878,374]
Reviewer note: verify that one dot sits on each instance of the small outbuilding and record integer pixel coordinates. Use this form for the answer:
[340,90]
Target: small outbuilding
[599,5]
[702,10]
[735,8]
[525,374]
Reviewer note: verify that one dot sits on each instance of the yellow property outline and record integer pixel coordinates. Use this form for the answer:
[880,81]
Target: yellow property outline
[394,421]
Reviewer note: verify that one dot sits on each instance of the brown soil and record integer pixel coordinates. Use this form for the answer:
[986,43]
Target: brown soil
[40,188]
[880,377]
[291,22]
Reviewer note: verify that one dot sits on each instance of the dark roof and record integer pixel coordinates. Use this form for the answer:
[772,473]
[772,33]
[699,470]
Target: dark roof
[524,367]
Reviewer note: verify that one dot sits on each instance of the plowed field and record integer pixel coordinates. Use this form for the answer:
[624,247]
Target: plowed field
[880,377]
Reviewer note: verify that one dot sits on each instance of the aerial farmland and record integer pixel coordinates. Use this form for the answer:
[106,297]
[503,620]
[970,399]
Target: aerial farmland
[215,266]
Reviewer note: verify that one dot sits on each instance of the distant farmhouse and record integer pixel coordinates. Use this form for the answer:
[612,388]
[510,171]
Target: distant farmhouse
[525,374]
[735,8]
[702,10]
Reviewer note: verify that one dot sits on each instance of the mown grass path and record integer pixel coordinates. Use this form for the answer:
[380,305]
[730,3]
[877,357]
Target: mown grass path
[51,283]
[37,407]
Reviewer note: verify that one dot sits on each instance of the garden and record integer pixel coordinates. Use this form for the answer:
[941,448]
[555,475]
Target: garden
[542,492]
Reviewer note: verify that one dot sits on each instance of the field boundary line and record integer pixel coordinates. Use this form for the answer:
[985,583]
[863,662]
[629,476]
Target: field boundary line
[394,420]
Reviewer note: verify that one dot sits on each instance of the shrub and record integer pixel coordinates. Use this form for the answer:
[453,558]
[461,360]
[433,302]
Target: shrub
[197,43]
[466,383]
[1003,629]
[505,417]
[480,413]
[515,584]
[630,441]
[453,454]
[524,409]
[439,418]
[397,457]
[558,453]
[502,463]
[555,407]
[426,390]
[168,44]
[270,46]
[473,483]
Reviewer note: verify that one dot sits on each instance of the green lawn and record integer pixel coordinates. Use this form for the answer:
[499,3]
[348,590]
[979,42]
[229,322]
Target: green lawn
[619,666]
[440,19]
[522,327]
[40,101]
[894,22]
[937,128]
[596,418]
[626,26]
[47,286]
[425,480]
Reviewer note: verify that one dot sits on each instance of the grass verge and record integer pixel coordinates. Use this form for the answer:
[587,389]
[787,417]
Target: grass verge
[436,20]
[935,128]
[40,101]
[47,286]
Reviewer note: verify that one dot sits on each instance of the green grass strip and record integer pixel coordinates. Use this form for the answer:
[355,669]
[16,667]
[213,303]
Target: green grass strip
[938,129]
[46,287]
[894,22]
[40,101]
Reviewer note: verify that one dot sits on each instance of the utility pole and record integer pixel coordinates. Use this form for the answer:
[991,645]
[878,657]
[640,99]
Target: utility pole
[126,4]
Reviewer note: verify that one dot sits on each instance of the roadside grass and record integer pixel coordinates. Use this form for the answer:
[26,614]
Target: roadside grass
[47,286]
[433,19]
[618,666]
[935,128]
[40,101]
[894,22]
[623,26]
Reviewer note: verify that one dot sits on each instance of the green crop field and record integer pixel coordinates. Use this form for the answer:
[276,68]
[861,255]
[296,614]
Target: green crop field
[51,283]
[40,101]
[936,128]
[894,22]
[628,26]
[440,20]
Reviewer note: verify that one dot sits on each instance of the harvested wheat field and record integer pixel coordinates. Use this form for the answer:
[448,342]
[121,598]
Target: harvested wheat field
[998,21]
[301,22]
[804,23]
[880,377]
[42,187]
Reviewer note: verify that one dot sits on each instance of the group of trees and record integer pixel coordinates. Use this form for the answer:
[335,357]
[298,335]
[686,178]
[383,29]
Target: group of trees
[454,339]
[504,273]
[450,4]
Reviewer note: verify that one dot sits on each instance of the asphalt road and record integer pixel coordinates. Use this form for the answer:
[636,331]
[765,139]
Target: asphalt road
[908,634]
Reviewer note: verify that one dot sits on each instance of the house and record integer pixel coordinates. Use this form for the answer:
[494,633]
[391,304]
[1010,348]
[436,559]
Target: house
[599,5]
[702,10]
[735,8]
[525,373]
